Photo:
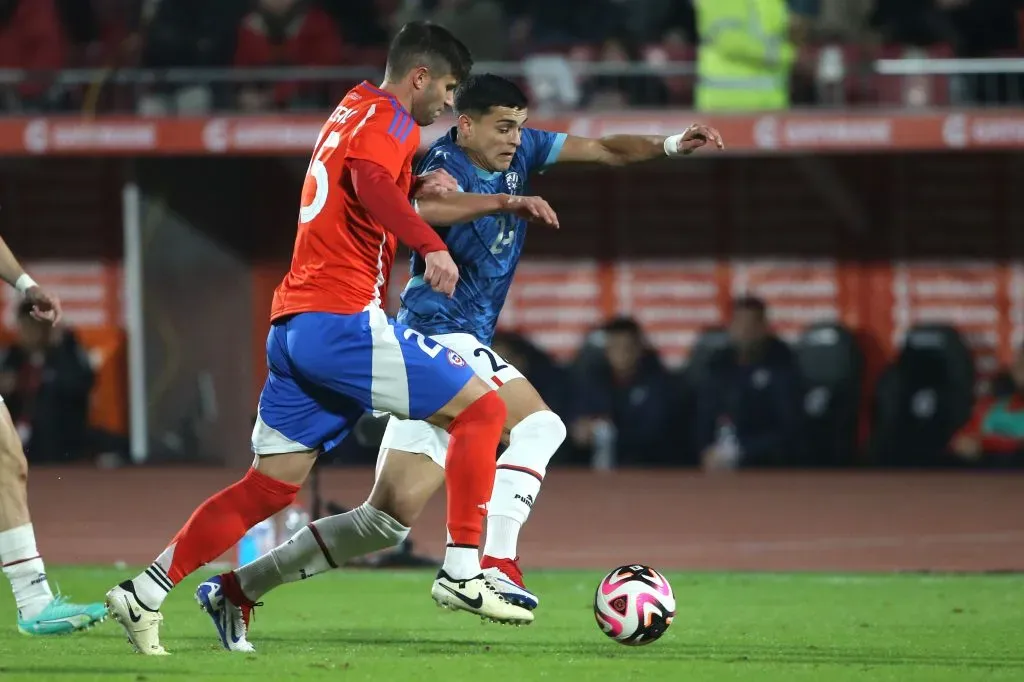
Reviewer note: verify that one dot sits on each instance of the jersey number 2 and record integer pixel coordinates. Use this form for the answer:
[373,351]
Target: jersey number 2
[505,236]
[432,350]
[317,170]
[495,365]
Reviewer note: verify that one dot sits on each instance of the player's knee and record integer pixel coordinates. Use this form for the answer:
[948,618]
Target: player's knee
[400,502]
[543,425]
[13,465]
[389,522]
[384,529]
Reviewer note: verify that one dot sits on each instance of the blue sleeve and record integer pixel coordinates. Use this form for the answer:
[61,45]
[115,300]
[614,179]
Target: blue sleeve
[440,158]
[541,148]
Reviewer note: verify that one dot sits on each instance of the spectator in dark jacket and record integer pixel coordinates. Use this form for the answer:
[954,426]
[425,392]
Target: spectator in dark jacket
[625,402]
[45,379]
[749,404]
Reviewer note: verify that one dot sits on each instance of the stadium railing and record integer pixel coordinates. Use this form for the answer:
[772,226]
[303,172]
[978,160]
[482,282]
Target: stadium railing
[835,76]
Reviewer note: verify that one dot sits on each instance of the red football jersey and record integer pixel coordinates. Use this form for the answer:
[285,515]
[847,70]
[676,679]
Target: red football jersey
[342,257]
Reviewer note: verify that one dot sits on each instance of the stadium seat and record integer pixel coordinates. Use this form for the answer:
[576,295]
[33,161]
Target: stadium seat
[832,365]
[707,343]
[923,398]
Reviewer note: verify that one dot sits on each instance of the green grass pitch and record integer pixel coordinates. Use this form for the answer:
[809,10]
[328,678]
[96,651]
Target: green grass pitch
[383,626]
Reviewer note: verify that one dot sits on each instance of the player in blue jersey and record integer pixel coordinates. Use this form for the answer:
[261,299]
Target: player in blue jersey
[490,153]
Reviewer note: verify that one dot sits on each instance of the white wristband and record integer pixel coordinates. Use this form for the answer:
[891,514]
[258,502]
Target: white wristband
[24,283]
[672,145]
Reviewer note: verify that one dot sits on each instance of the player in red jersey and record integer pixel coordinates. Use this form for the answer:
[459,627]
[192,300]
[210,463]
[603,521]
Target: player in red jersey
[333,354]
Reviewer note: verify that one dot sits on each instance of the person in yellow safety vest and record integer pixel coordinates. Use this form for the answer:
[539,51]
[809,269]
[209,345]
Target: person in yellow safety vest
[744,56]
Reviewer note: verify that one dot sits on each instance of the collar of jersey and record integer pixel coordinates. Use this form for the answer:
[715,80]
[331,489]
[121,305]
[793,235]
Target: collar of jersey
[480,172]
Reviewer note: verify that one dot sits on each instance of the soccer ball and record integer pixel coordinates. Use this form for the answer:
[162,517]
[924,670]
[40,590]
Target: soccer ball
[634,605]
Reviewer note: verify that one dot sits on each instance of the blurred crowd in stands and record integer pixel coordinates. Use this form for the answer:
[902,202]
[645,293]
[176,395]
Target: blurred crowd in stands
[46,379]
[802,51]
[748,399]
[744,399]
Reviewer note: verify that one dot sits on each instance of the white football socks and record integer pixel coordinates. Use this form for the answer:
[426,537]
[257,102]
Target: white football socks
[153,585]
[521,468]
[461,563]
[25,570]
[324,544]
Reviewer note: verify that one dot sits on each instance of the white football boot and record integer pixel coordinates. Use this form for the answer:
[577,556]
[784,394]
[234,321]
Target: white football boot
[142,625]
[478,596]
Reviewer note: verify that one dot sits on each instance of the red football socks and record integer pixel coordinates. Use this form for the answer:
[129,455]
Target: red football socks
[221,521]
[470,466]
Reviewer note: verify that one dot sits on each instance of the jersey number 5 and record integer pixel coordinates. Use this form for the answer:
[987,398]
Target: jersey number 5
[317,170]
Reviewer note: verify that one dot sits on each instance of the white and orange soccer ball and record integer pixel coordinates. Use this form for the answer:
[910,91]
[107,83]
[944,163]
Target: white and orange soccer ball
[634,605]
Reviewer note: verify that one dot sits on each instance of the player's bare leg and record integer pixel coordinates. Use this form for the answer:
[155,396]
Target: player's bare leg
[215,527]
[39,612]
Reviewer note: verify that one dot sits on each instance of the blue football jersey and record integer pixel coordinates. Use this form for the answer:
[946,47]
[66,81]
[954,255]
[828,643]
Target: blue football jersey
[486,250]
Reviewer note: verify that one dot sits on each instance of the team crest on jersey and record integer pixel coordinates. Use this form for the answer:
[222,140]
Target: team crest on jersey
[456,359]
[512,182]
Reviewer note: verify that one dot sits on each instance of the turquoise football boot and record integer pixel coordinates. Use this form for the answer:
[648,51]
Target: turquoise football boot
[61,617]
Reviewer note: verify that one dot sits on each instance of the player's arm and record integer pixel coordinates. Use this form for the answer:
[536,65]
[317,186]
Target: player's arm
[446,208]
[387,204]
[455,208]
[45,306]
[377,154]
[384,201]
[11,270]
[619,150]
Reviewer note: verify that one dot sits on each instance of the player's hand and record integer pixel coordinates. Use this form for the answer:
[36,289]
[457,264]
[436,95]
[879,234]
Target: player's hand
[441,272]
[45,306]
[698,135]
[434,184]
[533,209]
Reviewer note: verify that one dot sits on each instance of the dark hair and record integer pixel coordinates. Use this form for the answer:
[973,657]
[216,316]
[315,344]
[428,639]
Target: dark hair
[25,308]
[420,43]
[751,303]
[479,93]
[623,324]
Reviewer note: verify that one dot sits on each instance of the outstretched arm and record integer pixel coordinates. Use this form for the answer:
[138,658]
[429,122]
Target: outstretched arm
[619,150]
[45,305]
[10,270]
[454,208]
